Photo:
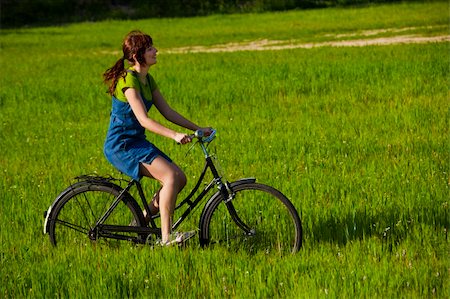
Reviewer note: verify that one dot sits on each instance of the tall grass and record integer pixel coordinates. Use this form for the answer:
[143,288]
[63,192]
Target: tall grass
[357,138]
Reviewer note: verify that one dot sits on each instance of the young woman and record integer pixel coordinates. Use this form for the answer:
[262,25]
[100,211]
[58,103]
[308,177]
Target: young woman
[133,92]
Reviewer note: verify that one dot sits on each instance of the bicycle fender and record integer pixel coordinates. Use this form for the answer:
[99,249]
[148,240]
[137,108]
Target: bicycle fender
[218,193]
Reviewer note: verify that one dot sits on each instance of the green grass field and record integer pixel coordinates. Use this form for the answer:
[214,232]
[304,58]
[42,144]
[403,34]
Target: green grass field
[356,137]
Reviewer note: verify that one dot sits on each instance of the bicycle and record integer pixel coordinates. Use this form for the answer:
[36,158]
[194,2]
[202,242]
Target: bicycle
[242,214]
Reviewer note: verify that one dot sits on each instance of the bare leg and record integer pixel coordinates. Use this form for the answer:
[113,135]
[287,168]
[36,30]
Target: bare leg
[173,181]
[153,207]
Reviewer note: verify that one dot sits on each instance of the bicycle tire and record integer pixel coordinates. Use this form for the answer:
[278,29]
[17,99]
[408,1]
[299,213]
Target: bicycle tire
[274,223]
[80,207]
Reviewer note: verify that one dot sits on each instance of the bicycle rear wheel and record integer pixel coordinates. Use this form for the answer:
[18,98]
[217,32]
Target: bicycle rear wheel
[258,219]
[76,213]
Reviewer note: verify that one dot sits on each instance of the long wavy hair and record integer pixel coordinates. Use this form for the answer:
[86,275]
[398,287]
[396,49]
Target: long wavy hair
[134,43]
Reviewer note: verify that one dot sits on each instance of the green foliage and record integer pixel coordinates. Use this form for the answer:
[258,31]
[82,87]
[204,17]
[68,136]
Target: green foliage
[356,137]
[18,13]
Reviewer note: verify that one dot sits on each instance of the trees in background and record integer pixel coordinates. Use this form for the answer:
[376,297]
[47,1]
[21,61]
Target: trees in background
[18,13]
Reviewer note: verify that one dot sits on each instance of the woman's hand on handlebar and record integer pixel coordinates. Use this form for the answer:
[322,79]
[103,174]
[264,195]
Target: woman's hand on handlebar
[207,131]
[182,138]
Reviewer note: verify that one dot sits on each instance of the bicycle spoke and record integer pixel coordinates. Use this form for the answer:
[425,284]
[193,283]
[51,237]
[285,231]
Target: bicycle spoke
[83,211]
[73,226]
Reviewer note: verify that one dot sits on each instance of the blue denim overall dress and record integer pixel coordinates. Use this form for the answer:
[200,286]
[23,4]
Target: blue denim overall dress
[126,146]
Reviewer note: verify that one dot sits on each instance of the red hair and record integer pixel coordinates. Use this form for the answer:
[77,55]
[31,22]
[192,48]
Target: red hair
[134,43]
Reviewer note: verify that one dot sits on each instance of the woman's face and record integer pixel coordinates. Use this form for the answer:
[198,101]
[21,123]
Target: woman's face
[150,55]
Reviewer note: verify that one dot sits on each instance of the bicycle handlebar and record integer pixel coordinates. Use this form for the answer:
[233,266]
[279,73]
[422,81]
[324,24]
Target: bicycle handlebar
[200,135]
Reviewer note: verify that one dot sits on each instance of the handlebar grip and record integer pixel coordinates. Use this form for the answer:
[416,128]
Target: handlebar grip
[199,134]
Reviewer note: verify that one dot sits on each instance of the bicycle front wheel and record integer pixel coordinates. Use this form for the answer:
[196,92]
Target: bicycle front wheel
[258,219]
[75,214]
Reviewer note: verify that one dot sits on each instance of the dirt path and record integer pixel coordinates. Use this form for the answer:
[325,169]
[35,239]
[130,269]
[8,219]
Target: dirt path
[265,44]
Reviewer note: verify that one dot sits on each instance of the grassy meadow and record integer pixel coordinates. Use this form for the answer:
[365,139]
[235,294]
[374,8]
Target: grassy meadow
[356,137]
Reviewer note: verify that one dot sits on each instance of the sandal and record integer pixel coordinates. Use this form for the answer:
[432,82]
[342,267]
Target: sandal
[178,238]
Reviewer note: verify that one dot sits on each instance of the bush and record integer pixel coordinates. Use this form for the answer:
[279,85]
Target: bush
[17,13]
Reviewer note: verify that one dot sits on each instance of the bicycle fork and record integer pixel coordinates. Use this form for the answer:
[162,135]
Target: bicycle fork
[228,195]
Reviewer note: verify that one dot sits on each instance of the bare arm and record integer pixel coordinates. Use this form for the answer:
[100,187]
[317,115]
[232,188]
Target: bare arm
[137,105]
[170,114]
